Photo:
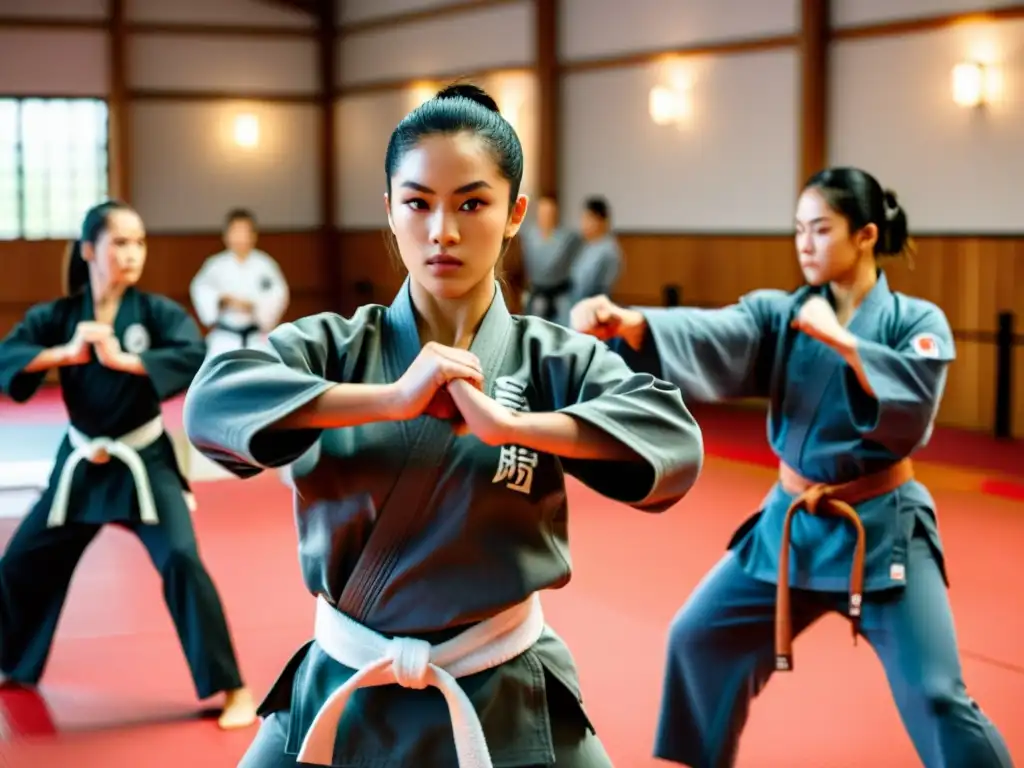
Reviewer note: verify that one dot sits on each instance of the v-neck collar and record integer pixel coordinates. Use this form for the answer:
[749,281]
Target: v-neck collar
[123,312]
[873,300]
[403,340]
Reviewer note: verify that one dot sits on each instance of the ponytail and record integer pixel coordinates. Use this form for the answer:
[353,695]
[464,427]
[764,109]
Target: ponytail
[894,237]
[860,199]
[76,271]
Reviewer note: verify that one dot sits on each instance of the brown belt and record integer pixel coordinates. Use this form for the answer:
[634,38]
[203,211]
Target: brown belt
[837,501]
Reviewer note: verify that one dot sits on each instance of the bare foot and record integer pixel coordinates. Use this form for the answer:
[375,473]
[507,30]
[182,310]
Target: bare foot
[239,710]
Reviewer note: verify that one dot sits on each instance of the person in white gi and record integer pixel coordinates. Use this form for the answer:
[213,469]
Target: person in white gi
[240,294]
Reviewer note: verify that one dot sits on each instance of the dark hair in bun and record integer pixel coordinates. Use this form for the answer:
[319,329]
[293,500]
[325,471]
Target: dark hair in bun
[459,108]
[860,199]
[471,92]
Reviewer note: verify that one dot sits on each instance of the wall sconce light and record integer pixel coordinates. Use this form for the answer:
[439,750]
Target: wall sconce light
[970,84]
[662,105]
[247,131]
[668,106]
[511,100]
[421,92]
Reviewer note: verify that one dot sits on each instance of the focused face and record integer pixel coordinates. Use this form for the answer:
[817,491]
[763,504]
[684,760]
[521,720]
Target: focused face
[826,248]
[119,255]
[449,212]
[547,213]
[240,236]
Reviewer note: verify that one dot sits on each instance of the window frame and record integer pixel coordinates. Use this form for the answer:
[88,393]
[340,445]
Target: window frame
[19,176]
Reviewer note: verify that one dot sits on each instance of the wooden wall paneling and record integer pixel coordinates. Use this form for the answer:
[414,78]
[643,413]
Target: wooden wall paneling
[710,269]
[32,270]
[929,23]
[971,278]
[370,273]
[175,259]
[1018,385]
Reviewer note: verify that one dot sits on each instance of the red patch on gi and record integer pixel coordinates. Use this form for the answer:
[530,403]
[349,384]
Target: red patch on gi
[926,345]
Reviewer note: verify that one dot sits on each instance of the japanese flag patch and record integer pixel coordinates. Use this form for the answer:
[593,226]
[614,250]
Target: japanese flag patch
[926,345]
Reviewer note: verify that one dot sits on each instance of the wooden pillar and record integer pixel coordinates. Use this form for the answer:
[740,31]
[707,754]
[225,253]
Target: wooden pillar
[549,95]
[118,103]
[813,115]
[329,235]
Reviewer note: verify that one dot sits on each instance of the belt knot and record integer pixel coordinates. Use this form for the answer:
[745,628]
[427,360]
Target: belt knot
[97,451]
[410,659]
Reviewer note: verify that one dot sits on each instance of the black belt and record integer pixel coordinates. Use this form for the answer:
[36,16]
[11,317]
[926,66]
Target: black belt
[245,333]
[549,293]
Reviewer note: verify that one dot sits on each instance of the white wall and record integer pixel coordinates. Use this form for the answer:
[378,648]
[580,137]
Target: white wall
[599,28]
[496,37]
[53,9]
[353,11]
[364,123]
[186,170]
[850,13]
[730,166]
[249,13]
[955,169]
[39,62]
[493,36]
[249,65]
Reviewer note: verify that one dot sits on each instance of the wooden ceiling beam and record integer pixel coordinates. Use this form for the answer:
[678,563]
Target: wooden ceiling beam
[312,7]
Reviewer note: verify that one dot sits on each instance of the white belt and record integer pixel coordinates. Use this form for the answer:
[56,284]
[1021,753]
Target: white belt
[99,450]
[414,663]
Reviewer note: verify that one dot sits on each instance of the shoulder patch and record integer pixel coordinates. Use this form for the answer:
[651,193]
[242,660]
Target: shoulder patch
[926,345]
[136,339]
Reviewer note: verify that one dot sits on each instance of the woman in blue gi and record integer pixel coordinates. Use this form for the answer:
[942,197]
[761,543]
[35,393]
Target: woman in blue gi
[854,373]
[119,353]
[429,442]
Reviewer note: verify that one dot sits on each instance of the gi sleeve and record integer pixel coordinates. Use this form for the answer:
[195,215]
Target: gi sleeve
[271,302]
[206,291]
[644,413]
[177,351]
[908,379]
[238,395]
[37,332]
[711,354]
[608,271]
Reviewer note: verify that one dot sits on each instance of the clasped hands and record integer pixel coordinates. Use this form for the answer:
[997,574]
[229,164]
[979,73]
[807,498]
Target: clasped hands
[91,335]
[447,383]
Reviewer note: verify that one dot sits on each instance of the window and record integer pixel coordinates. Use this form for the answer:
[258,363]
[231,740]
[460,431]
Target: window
[53,165]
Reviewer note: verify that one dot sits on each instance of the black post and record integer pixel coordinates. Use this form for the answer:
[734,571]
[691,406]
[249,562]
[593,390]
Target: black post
[671,295]
[1004,375]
